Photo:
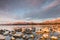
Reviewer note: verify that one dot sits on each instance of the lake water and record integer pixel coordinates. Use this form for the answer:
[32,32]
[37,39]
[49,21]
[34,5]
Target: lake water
[10,27]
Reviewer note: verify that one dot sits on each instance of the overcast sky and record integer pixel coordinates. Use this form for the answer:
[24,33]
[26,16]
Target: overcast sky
[29,9]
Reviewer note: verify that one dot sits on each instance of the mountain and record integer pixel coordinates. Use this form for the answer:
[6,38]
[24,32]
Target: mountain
[24,22]
[57,20]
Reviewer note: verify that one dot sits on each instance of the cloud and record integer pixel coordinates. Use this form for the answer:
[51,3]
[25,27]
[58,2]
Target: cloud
[51,5]
[33,9]
[6,16]
[46,11]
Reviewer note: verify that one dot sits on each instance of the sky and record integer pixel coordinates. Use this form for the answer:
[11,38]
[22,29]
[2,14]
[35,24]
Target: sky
[11,10]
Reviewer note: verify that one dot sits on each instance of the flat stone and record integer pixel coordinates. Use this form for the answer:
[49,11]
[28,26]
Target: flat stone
[2,37]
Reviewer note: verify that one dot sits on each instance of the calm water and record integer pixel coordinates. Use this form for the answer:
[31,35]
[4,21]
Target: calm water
[10,27]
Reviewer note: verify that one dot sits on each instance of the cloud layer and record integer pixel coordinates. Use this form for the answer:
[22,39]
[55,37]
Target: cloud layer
[32,9]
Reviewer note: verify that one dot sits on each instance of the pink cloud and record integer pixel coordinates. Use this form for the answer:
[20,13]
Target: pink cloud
[51,5]
[34,2]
